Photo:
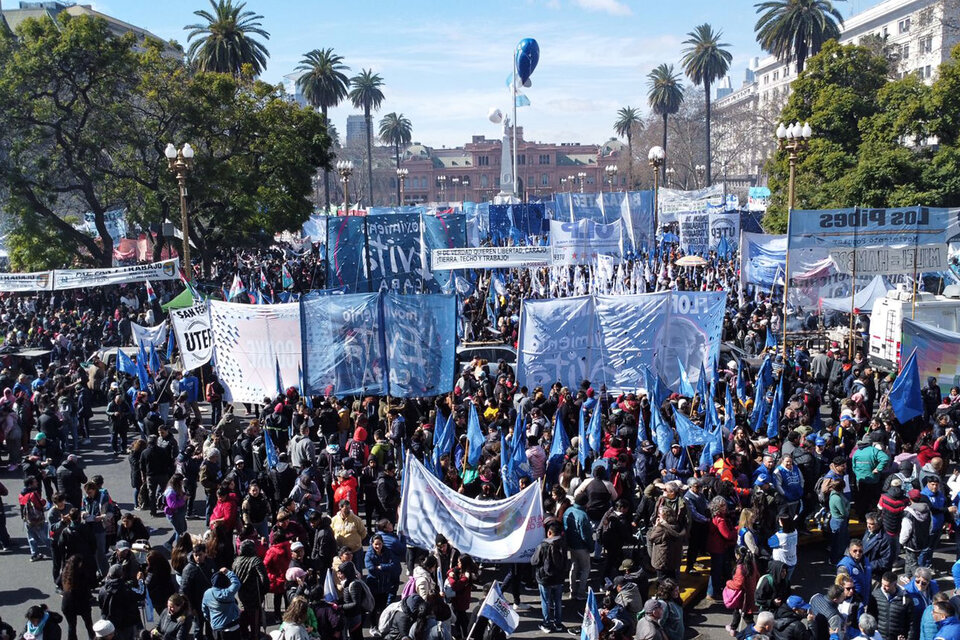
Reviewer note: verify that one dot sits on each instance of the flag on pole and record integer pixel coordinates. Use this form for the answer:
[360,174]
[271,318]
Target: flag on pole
[771,342]
[170,346]
[142,375]
[590,630]
[905,397]
[154,360]
[279,378]
[330,587]
[306,398]
[773,418]
[236,288]
[125,364]
[558,449]
[475,436]
[497,610]
[583,450]
[686,389]
[690,434]
[662,435]
[594,430]
[151,294]
[287,279]
[264,285]
[272,458]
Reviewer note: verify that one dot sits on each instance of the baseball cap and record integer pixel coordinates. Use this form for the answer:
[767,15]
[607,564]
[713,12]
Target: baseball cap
[914,495]
[652,605]
[821,442]
[796,602]
[103,628]
[296,546]
[122,544]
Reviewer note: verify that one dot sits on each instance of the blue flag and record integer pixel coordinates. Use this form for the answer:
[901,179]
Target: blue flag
[741,384]
[712,447]
[764,378]
[307,400]
[723,248]
[771,340]
[584,449]
[656,390]
[142,375]
[154,360]
[730,414]
[170,346]
[506,467]
[690,434]
[271,450]
[686,389]
[279,380]
[595,431]
[905,397]
[443,441]
[475,437]
[497,610]
[711,417]
[590,629]
[558,450]
[662,435]
[702,390]
[125,364]
[773,419]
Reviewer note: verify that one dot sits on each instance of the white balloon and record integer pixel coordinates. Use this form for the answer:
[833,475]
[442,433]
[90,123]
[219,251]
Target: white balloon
[495,115]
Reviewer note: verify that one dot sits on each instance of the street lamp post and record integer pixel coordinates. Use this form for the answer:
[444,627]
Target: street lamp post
[571,182]
[611,170]
[345,169]
[180,161]
[442,181]
[582,176]
[657,158]
[401,180]
[794,139]
[456,187]
[671,176]
[700,170]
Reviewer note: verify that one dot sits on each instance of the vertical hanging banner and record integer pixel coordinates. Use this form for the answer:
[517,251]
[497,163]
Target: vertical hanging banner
[441,231]
[421,336]
[556,341]
[393,243]
[636,212]
[691,336]
[343,345]
[191,326]
[249,343]
[694,232]
[630,328]
[581,242]
[724,225]
[346,253]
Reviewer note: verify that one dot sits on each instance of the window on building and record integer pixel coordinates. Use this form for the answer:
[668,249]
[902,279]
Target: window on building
[926,45]
[496,182]
[927,71]
[483,161]
[766,78]
[544,158]
[925,17]
[484,182]
[776,76]
[904,25]
[905,52]
[545,178]
[521,159]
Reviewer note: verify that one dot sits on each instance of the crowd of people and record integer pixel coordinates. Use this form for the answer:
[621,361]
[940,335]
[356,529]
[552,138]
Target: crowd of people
[309,545]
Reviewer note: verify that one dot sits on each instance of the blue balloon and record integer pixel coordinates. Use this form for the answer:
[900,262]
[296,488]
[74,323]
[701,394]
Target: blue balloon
[528,55]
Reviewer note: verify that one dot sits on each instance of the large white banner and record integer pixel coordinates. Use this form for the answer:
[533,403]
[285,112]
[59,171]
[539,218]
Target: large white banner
[694,232]
[157,336]
[491,257]
[724,225]
[191,326]
[493,530]
[581,242]
[673,201]
[250,341]
[19,282]
[83,278]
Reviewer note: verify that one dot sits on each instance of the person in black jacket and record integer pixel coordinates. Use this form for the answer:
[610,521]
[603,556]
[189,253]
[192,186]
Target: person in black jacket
[157,467]
[552,566]
[175,622]
[352,605]
[323,544]
[388,492]
[793,620]
[71,478]
[119,604]
[893,609]
[194,583]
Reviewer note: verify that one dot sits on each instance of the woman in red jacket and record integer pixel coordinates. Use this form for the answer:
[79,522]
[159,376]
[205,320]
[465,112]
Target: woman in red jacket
[744,580]
[460,579]
[721,536]
[277,562]
[226,511]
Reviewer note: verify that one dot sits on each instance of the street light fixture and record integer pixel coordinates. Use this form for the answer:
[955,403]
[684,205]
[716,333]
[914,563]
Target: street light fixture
[671,176]
[657,158]
[582,176]
[456,186]
[180,162]
[793,138]
[611,170]
[700,170]
[442,181]
[401,180]
[571,181]
[345,169]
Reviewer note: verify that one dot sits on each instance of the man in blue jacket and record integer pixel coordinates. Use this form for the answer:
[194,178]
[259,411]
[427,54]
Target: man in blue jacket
[579,537]
[948,626]
[855,565]
[220,605]
[789,483]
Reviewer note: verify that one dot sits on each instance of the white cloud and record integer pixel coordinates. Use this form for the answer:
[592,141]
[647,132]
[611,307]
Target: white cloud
[613,7]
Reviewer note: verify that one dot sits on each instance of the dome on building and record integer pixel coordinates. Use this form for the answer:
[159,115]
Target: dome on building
[613,147]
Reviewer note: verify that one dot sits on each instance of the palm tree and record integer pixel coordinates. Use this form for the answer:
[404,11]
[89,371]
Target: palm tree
[704,60]
[628,119]
[796,29]
[366,95]
[226,41]
[396,129]
[324,85]
[665,96]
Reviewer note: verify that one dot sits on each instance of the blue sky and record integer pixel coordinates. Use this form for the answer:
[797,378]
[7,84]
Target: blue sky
[445,63]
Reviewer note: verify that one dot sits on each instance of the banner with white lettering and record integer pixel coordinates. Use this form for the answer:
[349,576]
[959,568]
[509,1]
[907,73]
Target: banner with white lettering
[724,225]
[491,257]
[488,530]
[191,327]
[674,201]
[581,242]
[250,341]
[694,232]
[83,278]
[22,282]
[157,336]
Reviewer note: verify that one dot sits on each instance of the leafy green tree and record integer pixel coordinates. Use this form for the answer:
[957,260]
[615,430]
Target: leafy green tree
[795,29]
[226,40]
[627,123]
[323,85]
[395,129]
[366,95]
[705,60]
[665,95]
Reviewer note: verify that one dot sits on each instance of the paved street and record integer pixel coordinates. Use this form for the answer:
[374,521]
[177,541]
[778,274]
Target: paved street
[24,583]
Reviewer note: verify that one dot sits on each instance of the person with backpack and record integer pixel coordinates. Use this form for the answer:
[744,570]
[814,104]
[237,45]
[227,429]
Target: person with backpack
[357,600]
[614,530]
[388,492]
[552,566]
[33,512]
[214,394]
[302,450]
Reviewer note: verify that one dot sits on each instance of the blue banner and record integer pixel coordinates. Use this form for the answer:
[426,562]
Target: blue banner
[420,343]
[343,345]
[442,231]
[393,241]
[763,259]
[628,339]
[346,253]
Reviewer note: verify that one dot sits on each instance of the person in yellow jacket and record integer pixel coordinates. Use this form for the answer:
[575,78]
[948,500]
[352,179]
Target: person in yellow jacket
[348,528]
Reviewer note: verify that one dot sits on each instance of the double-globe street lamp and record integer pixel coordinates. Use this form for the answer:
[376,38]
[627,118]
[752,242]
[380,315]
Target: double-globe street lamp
[611,171]
[402,174]
[657,158]
[345,169]
[180,161]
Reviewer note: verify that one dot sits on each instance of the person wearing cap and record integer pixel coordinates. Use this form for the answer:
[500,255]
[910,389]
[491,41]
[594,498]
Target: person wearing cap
[648,627]
[915,528]
[219,606]
[119,604]
[793,620]
[104,630]
[675,464]
[124,558]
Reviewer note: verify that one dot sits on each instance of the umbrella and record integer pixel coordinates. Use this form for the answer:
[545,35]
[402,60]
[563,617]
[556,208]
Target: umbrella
[691,261]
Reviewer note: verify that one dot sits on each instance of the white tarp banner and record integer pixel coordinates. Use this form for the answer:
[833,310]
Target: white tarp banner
[674,201]
[493,531]
[157,336]
[18,282]
[83,278]
[250,343]
[491,257]
[581,242]
[191,326]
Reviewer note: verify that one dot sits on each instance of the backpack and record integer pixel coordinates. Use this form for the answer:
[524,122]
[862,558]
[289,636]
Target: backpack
[366,602]
[386,618]
[356,451]
[820,489]
[32,514]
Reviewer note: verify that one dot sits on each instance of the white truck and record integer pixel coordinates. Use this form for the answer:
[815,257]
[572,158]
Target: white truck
[886,321]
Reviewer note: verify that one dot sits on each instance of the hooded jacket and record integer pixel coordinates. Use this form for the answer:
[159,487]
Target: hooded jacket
[119,604]
[790,625]
[915,527]
[220,602]
[252,574]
